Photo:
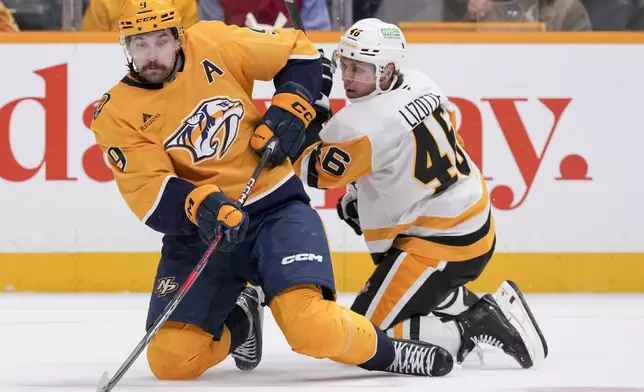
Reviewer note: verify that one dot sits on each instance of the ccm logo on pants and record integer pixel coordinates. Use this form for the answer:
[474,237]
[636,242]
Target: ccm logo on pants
[301,257]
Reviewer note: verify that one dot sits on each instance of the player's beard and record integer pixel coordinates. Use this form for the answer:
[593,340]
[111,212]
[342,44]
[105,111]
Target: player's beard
[155,72]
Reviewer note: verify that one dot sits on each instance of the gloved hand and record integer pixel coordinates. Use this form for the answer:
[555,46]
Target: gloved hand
[212,211]
[347,208]
[322,104]
[286,119]
[322,107]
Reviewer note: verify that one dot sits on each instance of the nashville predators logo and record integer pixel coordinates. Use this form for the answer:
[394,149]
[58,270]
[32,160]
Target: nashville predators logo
[166,286]
[210,130]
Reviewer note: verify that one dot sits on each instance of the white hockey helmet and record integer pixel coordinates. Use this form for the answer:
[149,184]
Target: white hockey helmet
[376,42]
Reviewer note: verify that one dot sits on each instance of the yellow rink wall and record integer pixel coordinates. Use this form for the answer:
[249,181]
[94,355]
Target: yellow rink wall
[134,272]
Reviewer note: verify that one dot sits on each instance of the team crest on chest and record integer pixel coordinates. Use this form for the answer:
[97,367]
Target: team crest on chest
[210,130]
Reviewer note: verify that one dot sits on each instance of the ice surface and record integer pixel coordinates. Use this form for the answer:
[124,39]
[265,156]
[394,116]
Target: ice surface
[63,342]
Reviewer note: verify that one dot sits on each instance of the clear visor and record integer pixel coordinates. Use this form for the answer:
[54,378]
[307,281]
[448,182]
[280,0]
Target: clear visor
[153,45]
[354,71]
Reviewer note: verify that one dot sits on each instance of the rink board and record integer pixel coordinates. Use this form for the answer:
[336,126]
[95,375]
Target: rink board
[556,132]
[134,272]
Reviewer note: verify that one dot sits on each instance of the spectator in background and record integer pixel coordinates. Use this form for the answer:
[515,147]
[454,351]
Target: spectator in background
[616,15]
[7,23]
[558,15]
[103,15]
[363,9]
[265,13]
[413,10]
[36,14]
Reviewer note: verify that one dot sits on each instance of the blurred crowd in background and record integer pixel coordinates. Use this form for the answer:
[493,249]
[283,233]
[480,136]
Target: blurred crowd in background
[477,15]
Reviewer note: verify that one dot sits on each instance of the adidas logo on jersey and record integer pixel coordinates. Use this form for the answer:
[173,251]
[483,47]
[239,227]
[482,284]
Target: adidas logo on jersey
[302,257]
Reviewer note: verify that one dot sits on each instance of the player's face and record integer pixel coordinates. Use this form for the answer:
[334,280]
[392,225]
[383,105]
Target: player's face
[154,54]
[359,78]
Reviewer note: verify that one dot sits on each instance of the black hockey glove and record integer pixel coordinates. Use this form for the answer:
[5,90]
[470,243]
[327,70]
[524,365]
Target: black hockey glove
[348,208]
[322,107]
[322,104]
[212,211]
[286,119]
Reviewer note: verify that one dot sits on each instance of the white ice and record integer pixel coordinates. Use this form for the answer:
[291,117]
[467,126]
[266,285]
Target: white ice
[52,343]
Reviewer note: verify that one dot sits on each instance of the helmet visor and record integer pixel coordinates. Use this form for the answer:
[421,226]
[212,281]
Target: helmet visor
[355,71]
[153,45]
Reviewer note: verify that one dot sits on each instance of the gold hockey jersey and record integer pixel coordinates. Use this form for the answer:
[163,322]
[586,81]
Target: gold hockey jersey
[418,190]
[196,128]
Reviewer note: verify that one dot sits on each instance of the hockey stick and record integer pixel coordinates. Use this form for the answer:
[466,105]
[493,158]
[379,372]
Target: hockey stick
[106,384]
[294,13]
[296,18]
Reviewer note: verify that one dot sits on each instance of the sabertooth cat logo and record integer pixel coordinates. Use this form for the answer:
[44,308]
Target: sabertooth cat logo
[210,130]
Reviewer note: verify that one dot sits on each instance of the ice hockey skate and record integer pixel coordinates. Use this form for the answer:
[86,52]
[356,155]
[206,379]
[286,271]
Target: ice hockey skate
[420,359]
[503,320]
[249,354]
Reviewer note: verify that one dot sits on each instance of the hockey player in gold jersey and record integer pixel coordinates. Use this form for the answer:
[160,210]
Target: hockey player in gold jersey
[183,137]
[419,200]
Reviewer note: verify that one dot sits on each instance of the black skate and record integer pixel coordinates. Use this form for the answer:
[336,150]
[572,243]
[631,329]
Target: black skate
[420,359]
[249,354]
[516,309]
[503,322]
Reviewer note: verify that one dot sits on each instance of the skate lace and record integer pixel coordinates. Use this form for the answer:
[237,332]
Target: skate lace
[487,339]
[412,359]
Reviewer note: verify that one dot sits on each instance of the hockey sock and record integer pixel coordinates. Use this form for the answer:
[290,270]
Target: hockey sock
[456,302]
[430,329]
[384,355]
[182,351]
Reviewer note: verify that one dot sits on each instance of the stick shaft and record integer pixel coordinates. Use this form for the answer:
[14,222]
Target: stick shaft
[172,305]
[294,13]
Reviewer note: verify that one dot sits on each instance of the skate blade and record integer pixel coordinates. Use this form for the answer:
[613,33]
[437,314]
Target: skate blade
[520,316]
[103,383]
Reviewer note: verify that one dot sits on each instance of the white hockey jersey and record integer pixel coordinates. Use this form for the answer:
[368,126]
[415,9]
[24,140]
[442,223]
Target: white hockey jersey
[418,190]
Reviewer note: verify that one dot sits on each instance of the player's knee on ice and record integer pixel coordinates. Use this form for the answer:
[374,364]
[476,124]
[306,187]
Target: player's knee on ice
[183,351]
[320,328]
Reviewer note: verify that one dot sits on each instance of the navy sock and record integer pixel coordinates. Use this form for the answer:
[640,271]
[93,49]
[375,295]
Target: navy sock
[385,353]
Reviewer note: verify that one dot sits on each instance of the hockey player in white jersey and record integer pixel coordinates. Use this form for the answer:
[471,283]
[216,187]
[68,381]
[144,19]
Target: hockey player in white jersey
[420,202]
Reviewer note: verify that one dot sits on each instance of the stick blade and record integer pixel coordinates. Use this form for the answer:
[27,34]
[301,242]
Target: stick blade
[103,383]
